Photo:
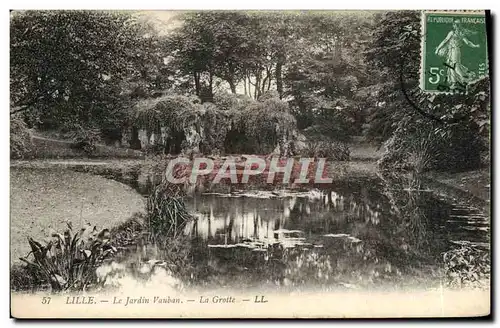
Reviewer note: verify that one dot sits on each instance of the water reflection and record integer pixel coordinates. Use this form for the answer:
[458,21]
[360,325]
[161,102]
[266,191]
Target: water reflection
[387,232]
[233,219]
[353,236]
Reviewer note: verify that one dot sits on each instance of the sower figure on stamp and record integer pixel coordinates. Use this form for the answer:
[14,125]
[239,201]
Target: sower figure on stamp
[449,48]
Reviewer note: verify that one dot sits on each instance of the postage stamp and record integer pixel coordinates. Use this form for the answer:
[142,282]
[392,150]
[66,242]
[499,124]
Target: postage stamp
[454,50]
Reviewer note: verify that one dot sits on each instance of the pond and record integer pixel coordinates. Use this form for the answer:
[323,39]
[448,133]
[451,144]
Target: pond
[361,233]
[348,236]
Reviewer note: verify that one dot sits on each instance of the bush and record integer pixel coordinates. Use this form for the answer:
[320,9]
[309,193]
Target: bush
[216,126]
[334,150]
[26,278]
[85,139]
[230,101]
[69,261]
[422,145]
[266,124]
[20,138]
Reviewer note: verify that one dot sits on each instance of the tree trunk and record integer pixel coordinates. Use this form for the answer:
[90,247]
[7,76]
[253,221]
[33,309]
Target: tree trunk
[249,87]
[230,79]
[197,83]
[211,84]
[264,83]
[232,85]
[258,77]
[267,79]
[245,85]
[135,143]
[270,78]
[279,77]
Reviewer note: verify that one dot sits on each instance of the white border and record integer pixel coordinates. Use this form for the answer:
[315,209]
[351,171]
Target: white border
[199,4]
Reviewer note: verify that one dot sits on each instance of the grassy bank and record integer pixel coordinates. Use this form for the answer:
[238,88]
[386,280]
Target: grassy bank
[42,201]
[471,186]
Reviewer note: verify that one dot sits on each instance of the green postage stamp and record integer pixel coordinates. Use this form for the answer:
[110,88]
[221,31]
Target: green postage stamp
[454,50]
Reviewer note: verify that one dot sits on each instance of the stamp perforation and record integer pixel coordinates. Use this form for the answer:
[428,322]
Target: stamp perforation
[423,33]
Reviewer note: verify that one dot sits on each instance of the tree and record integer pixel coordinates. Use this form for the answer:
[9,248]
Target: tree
[68,67]
[212,45]
[325,78]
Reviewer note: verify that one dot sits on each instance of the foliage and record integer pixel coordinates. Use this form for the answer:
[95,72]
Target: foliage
[392,53]
[467,266]
[229,101]
[216,126]
[166,212]
[325,80]
[341,74]
[69,261]
[129,233]
[20,138]
[73,66]
[85,139]
[23,278]
[214,44]
[168,110]
[422,145]
[266,124]
[326,149]
[259,125]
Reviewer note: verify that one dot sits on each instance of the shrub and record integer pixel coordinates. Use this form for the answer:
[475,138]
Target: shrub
[130,232]
[266,124]
[334,150]
[415,154]
[420,145]
[20,138]
[26,278]
[85,139]
[69,261]
[228,101]
[216,124]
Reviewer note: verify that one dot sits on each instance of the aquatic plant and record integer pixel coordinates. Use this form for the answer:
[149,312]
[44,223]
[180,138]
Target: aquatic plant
[166,212]
[129,233]
[69,261]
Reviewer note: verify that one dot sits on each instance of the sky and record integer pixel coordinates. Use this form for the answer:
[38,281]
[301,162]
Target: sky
[163,20]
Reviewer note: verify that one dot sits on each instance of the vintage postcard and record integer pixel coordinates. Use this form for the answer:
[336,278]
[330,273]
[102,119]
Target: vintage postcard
[249,164]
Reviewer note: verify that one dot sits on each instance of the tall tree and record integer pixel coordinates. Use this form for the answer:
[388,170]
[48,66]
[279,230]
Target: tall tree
[67,67]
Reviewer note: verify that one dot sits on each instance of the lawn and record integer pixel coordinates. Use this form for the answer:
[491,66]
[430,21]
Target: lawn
[43,200]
